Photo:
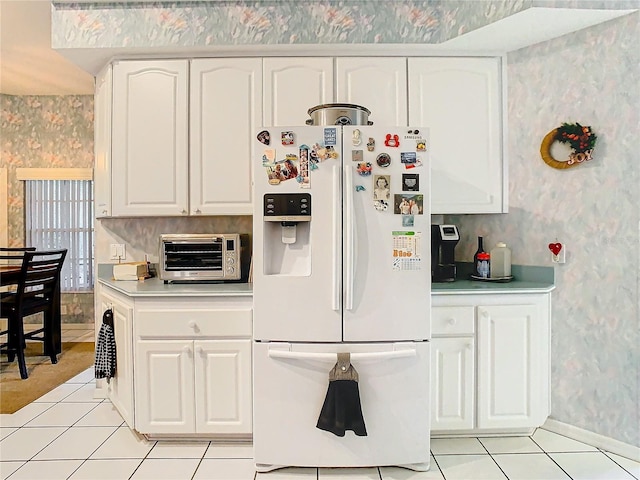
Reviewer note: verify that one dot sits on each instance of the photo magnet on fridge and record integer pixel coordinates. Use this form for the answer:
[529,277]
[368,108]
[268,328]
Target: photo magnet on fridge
[408,204]
[357,155]
[410,182]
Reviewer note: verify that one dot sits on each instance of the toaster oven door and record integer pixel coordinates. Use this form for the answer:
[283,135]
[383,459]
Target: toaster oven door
[194,258]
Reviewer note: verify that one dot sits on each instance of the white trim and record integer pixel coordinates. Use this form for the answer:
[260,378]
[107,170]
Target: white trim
[4,208]
[595,439]
[54,173]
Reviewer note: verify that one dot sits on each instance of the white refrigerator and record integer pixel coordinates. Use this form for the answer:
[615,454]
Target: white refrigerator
[341,264]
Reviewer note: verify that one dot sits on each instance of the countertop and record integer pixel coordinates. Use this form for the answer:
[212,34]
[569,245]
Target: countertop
[527,279]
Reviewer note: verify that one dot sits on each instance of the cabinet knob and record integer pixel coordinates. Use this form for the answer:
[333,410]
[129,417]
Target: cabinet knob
[186,349]
[469,346]
[184,212]
[194,326]
[198,212]
[199,351]
[451,321]
[104,212]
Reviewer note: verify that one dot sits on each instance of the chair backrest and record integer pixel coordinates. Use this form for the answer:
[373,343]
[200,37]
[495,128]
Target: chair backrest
[39,275]
[13,255]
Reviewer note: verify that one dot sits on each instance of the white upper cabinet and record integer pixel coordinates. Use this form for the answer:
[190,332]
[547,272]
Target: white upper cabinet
[294,85]
[460,100]
[150,138]
[102,143]
[225,113]
[376,83]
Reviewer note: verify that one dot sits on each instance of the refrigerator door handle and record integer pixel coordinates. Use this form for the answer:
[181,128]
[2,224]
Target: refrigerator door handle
[337,247]
[350,240]
[390,354]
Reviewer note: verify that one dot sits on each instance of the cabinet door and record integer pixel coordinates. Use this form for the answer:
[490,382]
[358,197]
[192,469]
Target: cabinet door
[459,99]
[102,143]
[223,386]
[225,113]
[294,85]
[150,150]
[164,387]
[452,373]
[511,360]
[120,388]
[377,83]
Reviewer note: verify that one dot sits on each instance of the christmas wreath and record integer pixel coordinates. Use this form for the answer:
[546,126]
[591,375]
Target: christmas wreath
[581,139]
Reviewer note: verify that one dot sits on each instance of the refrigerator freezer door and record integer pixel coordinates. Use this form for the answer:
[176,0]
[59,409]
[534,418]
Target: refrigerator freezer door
[290,391]
[387,268]
[297,268]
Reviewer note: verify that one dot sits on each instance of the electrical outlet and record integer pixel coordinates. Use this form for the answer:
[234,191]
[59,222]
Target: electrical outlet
[117,251]
[561,256]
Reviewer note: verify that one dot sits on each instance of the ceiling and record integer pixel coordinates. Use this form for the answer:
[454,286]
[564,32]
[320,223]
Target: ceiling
[28,65]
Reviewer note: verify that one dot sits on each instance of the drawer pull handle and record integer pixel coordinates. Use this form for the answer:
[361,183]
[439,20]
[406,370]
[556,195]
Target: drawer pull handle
[451,321]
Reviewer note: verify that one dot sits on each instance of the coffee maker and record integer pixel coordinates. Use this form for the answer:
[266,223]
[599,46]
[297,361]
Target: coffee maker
[444,239]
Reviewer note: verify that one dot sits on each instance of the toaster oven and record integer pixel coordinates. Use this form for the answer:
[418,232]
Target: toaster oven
[204,257]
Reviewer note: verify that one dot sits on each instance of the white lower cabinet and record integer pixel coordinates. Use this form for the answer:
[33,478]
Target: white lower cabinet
[194,386]
[184,364]
[490,363]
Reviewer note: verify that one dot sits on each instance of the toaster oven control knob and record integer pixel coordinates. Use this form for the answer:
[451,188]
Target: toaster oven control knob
[231,270]
[230,261]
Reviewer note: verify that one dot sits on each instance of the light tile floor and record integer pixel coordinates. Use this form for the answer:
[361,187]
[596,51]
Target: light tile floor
[67,434]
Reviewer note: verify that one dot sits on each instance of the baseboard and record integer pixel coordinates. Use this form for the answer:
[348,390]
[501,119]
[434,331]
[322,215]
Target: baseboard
[594,439]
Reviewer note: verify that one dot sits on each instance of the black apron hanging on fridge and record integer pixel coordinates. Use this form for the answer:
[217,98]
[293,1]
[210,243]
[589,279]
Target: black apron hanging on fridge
[342,410]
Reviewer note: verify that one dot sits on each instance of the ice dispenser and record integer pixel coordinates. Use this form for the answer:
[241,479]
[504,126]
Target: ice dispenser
[287,224]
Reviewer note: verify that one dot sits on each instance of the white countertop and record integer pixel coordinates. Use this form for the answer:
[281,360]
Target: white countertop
[154,287]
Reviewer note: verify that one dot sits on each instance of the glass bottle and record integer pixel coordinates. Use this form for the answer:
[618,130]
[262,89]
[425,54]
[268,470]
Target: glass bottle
[476,272]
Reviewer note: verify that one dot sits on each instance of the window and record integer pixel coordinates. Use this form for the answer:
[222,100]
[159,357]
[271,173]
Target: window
[59,214]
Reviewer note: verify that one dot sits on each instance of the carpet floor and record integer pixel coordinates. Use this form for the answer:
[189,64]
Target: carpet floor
[44,376]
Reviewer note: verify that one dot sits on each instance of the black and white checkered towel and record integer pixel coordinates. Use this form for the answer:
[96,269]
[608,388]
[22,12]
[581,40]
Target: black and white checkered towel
[106,349]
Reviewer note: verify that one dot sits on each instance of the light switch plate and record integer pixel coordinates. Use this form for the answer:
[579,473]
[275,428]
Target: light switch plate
[117,251]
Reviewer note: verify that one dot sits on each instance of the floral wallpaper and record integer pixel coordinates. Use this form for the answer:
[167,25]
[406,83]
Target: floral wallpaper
[159,24]
[589,77]
[38,132]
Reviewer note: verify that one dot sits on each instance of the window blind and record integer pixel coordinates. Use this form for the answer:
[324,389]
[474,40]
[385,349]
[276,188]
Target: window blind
[59,214]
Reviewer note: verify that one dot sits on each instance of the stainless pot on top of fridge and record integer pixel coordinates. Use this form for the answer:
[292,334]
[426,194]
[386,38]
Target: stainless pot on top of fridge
[339,114]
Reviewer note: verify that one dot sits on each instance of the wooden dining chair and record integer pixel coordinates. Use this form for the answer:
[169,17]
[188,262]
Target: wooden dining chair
[38,291]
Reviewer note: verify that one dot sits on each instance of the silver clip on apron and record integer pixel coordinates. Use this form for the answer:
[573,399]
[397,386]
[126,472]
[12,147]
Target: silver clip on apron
[341,410]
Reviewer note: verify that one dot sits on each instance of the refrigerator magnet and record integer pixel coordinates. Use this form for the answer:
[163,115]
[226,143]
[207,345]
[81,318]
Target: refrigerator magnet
[410,182]
[383,160]
[268,156]
[330,136]
[356,138]
[392,140]
[421,145]
[371,144]
[357,155]
[264,137]
[364,169]
[407,220]
[380,205]
[381,190]
[408,204]
[408,157]
[303,175]
[287,138]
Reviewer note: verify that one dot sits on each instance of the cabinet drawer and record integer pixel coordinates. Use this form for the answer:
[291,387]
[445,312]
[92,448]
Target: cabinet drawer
[193,322]
[452,320]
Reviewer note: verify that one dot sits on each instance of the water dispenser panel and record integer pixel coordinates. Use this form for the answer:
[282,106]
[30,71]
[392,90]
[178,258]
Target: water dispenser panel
[287,207]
